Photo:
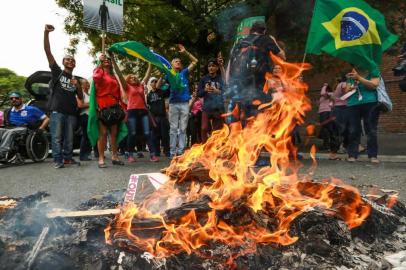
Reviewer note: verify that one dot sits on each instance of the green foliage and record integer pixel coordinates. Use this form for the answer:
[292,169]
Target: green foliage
[10,81]
[161,24]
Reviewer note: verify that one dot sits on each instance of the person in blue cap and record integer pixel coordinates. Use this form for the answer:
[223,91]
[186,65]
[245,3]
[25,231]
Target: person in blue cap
[17,120]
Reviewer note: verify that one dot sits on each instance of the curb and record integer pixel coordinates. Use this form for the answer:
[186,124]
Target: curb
[382,158]
[362,158]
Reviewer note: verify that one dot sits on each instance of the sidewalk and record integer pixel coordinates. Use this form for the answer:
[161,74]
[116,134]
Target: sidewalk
[392,148]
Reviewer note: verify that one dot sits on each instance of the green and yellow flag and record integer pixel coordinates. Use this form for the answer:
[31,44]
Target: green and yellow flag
[134,49]
[350,30]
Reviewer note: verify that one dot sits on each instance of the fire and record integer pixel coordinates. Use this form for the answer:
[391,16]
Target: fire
[273,197]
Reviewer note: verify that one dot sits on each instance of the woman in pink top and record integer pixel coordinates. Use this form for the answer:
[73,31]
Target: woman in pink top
[328,132]
[137,112]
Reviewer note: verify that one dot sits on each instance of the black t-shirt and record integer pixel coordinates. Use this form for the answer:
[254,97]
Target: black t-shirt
[63,94]
[156,102]
[212,102]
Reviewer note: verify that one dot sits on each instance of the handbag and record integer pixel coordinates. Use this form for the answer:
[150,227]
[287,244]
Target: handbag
[384,101]
[112,115]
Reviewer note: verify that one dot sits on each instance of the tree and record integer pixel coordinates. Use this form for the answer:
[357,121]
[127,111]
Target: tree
[163,23]
[10,81]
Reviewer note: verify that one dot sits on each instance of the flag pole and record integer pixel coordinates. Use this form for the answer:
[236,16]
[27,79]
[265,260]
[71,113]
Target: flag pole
[103,41]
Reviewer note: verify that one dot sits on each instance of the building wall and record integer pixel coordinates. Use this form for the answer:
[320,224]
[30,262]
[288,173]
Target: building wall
[393,122]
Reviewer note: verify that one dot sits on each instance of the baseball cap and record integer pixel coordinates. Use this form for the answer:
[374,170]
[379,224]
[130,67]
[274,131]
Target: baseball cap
[14,94]
[212,61]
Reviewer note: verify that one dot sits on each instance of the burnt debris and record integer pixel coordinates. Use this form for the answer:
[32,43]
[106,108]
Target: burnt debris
[31,240]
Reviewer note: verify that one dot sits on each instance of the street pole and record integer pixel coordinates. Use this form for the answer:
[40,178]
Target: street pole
[103,41]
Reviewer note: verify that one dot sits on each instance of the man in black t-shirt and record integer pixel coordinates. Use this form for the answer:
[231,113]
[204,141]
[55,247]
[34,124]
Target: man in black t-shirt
[62,104]
[156,104]
[211,88]
[250,61]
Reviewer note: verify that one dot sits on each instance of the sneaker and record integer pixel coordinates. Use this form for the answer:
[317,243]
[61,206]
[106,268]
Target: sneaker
[351,159]
[71,162]
[374,160]
[342,150]
[58,165]
[131,159]
[154,159]
[140,155]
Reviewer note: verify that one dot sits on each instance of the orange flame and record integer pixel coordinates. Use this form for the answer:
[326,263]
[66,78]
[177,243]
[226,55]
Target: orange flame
[274,193]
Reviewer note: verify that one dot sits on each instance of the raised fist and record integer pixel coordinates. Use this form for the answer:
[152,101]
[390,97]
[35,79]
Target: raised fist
[49,28]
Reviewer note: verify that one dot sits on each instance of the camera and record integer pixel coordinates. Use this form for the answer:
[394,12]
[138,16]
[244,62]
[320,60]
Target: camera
[400,68]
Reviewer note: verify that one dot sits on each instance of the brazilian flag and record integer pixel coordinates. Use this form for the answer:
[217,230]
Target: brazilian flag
[350,30]
[135,49]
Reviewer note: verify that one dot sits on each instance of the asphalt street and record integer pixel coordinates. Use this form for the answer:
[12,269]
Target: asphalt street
[74,184]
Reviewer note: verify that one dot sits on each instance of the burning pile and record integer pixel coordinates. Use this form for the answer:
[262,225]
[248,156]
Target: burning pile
[218,212]
[229,203]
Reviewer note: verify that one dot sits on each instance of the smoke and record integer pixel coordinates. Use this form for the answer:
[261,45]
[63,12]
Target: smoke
[228,20]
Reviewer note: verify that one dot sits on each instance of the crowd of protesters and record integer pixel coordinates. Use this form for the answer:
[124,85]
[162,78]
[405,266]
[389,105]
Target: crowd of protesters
[169,120]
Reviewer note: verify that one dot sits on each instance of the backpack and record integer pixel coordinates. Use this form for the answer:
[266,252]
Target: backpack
[247,59]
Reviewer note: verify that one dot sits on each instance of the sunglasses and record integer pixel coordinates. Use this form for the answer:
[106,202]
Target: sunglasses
[153,81]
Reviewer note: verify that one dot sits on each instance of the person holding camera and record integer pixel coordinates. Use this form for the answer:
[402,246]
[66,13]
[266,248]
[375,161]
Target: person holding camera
[62,104]
[109,96]
[363,105]
[211,87]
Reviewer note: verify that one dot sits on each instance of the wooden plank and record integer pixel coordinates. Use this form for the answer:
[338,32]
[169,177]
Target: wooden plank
[7,203]
[87,213]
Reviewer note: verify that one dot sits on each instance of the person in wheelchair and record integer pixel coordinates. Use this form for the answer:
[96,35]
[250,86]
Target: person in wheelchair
[17,120]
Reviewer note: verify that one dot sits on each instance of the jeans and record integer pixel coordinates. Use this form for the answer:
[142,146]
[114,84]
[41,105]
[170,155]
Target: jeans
[178,118]
[329,132]
[194,128]
[210,121]
[245,110]
[134,116]
[369,113]
[7,137]
[160,134]
[342,116]
[85,146]
[62,126]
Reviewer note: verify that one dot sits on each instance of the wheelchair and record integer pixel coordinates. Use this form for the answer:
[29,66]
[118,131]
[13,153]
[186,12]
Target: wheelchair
[33,144]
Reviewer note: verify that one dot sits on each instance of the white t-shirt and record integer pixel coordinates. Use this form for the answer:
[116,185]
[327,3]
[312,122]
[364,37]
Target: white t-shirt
[86,99]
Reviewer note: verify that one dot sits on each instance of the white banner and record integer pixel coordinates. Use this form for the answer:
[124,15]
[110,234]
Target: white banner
[104,15]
